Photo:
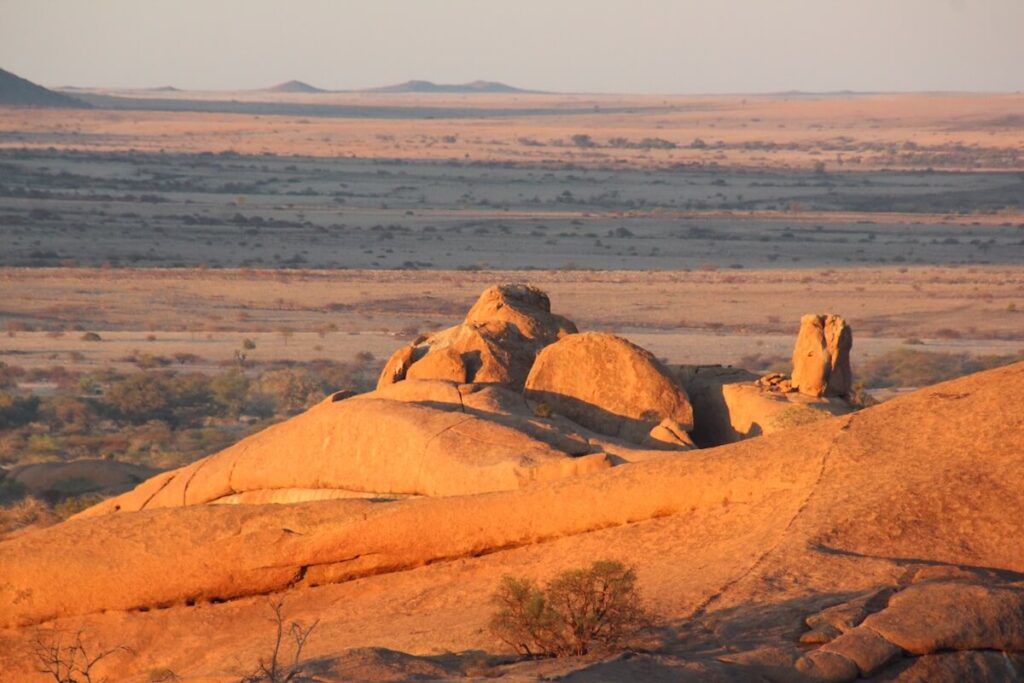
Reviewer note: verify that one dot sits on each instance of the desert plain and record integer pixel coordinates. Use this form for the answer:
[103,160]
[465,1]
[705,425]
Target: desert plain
[284,245]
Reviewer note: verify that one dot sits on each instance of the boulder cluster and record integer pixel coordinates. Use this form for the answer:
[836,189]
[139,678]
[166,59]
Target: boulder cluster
[512,395]
[496,343]
[600,382]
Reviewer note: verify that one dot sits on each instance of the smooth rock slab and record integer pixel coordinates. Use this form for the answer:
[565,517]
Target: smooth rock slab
[370,445]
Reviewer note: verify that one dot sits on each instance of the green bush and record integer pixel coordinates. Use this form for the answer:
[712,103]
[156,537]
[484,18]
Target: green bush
[69,414]
[579,611]
[140,398]
[160,417]
[293,389]
[230,392]
[24,512]
[179,400]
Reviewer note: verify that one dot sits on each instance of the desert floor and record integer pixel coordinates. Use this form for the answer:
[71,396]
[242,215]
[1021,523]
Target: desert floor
[326,225]
[734,317]
[973,132]
[175,210]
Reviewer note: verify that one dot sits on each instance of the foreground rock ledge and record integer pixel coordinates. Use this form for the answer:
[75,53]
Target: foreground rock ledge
[909,485]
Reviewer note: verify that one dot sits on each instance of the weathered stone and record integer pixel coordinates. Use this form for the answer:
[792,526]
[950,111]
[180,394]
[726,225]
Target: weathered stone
[669,434]
[444,363]
[78,477]
[730,404]
[609,385]
[369,445]
[956,667]
[496,343]
[760,518]
[865,648]
[847,615]
[819,635]
[523,306]
[953,615]
[827,666]
[821,357]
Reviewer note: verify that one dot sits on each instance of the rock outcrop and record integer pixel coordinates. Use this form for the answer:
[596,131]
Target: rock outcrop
[731,404]
[821,358]
[970,617]
[370,447]
[801,497]
[613,387]
[737,545]
[496,343]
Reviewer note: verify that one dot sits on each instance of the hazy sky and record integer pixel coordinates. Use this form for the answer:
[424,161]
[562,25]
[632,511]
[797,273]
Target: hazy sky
[662,46]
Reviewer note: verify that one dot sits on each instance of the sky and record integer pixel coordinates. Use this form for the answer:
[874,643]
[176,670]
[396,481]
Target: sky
[613,46]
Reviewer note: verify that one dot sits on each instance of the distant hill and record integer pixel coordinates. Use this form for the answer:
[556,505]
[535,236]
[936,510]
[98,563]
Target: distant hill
[15,90]
[294,86]
[428,86]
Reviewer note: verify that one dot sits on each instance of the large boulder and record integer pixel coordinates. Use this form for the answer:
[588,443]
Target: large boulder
[496,343]
[613,387]
[821,358]
[200,553]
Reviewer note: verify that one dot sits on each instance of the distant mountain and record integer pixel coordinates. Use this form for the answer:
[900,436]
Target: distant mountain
[428,87]
[15,90]
[294,86]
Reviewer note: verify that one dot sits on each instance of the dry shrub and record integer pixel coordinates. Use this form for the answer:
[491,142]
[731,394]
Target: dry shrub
[69,661]
[577,612]
[28,511]
[276,667]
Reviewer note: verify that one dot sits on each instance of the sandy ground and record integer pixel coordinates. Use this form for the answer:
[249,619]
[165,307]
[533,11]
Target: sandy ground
[684,317]
[961,131]
[175,210]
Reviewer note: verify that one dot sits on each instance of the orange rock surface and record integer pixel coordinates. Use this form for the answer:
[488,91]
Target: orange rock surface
[736,548]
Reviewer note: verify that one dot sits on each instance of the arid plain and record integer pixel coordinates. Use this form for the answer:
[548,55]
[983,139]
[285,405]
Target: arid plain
[269,239]
[706,224]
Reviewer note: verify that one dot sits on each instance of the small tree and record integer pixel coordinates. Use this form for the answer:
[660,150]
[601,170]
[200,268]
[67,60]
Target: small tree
[583,140]
[275,669]
[579,611]
[68,662]
[141,397]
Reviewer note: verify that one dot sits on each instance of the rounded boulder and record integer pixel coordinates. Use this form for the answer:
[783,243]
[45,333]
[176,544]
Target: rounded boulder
[609,385]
